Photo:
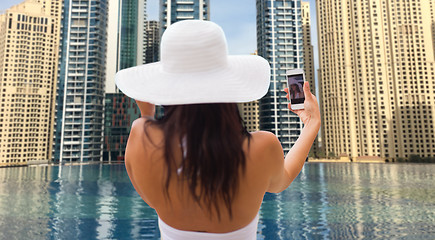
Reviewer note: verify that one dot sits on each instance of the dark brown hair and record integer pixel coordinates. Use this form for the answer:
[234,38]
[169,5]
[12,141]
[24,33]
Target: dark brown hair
[212,137]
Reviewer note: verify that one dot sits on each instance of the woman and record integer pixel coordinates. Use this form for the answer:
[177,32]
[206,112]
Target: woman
[198,167]
[295,91]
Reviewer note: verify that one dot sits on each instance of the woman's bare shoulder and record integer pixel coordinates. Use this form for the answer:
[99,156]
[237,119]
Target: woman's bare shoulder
[142,129]
[142,140]
[264,145]
[264,139]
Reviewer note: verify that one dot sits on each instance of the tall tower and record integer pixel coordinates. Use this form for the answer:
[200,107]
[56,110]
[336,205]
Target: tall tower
[280,41]
[126,44]
[152,41]
[178,10]
[29,42]
[80,98]
[308,59]
[127,22]
[377,77]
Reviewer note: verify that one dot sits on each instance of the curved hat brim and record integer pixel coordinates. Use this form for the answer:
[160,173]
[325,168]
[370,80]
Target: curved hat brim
[245,79]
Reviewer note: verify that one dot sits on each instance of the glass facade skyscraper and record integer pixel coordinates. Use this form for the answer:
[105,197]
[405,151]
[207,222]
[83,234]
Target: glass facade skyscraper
[126,44]
[127,22]
[129,32]
[80,92]
[280,41]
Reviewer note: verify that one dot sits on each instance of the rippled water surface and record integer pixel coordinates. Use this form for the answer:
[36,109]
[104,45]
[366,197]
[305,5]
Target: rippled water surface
[326,201]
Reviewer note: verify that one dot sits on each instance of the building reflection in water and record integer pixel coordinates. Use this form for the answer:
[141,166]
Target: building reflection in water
[24,202]
[348,201]
[332,201]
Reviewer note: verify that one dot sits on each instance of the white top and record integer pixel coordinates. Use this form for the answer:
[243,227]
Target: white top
[249,232]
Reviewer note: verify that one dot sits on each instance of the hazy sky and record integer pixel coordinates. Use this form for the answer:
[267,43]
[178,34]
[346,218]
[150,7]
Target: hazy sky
[237,18]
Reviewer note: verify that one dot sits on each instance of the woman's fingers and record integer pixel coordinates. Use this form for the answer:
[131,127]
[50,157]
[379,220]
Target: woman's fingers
[307,92]
[288,95]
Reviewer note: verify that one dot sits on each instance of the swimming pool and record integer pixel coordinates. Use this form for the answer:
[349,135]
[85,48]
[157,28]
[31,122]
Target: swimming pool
[327,201]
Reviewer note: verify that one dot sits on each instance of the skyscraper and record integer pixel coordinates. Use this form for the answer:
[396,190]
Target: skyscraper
[179,10]
[309,59]
[280,41]
[250,115]
[119,113]
[80,94]
[377,81]
[152,41]
[29,44]
[126,21]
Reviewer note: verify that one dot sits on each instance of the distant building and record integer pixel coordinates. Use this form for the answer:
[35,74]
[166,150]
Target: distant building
[280,40]
[309,60]
[29,43]
[152,41]
[377,77]
[179,10]
[127,21]
[80,94]
[250,115]
[119,112]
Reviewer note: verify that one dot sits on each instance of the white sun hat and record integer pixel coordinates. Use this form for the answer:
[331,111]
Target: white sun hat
[195,68]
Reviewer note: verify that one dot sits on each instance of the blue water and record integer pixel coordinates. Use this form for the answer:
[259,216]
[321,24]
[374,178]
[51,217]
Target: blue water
[326,201]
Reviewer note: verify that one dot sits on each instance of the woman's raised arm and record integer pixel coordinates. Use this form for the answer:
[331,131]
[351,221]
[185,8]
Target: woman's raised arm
[295,159]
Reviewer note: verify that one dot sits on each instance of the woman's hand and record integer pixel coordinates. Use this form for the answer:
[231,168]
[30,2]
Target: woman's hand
[311,112]
[146,109]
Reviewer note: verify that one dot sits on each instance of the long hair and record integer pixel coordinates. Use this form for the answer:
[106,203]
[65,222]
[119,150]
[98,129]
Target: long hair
[211,137]
[293,92]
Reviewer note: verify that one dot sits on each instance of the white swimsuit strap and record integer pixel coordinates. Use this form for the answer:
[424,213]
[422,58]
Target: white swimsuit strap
[249,232]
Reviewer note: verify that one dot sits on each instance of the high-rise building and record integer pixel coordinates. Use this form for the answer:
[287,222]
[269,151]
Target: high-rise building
[377,81]
[309,59]
[119,112]
[249,112]
[80,92]
[280,41]
[250,115]
[179,10]
[29,42]
[152,41]
[126,20]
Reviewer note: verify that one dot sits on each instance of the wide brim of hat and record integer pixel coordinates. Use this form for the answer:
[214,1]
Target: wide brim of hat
[245,78]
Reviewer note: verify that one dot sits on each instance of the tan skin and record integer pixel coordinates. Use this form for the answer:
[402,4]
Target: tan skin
[266,171]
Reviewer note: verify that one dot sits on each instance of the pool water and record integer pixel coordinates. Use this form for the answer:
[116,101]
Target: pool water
[326,201]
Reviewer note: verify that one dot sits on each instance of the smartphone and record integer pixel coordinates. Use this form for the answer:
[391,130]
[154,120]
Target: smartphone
[295,80]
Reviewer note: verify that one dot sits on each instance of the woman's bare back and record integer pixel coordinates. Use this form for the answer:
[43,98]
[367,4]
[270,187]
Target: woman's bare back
[147,170]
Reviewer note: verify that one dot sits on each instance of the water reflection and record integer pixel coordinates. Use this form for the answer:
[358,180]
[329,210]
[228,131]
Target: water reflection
[327,201]
[348,201]
[24,202]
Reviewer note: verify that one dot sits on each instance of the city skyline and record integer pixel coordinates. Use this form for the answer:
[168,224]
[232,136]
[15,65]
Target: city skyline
[377,71]
[237,21]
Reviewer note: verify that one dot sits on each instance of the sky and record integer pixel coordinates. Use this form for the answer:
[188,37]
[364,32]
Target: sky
[237,19]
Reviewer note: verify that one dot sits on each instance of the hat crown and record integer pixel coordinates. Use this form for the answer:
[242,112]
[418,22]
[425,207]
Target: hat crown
[193,46]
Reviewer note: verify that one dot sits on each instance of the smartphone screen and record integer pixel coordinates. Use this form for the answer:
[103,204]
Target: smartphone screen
[295,88]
